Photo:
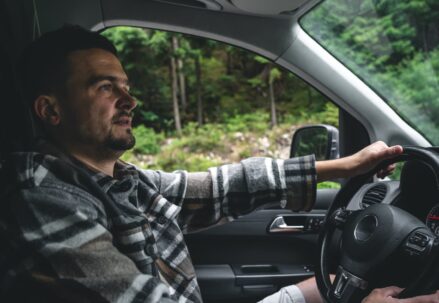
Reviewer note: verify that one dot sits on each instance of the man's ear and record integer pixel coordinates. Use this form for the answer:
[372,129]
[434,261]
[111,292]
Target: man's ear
[47,109]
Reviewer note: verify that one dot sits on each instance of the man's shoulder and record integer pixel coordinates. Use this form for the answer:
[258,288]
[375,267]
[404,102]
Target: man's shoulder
[21,167]
[32,169]
[34,175]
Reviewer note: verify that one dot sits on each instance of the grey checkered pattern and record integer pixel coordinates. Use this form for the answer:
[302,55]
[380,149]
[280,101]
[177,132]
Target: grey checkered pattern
[70,234]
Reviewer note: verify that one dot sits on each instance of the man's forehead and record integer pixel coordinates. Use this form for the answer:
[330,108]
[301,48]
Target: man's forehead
[94,63]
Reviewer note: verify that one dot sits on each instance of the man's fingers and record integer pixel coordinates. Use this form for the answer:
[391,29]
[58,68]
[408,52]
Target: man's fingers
[391,291]
[386,171]
[387,152]
[383,295]
[394,151]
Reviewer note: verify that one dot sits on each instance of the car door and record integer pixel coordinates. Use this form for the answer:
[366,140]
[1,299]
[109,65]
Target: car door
[257,254]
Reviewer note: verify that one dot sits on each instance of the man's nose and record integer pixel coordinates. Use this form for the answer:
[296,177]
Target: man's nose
[125,100]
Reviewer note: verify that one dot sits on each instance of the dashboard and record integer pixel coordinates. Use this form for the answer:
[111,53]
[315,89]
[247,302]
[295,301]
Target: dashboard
[417,192]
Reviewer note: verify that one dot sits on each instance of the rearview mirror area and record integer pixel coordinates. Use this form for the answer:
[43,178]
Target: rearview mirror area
[320,140]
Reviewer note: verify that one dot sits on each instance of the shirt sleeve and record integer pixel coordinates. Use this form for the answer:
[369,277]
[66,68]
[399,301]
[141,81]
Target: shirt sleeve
[59,250]
[226,192]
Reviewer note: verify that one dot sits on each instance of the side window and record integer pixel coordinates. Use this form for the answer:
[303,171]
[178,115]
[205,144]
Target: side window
[203,103]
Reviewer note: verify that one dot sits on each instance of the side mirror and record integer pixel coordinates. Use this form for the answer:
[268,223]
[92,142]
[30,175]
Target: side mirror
[320,140]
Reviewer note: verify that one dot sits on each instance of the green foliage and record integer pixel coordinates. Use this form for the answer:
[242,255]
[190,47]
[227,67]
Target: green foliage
[391,44]
[127,39]
[396,175]
[147,140]
[159,41]
[329,115]
[256,122]
[261,60]
[128,156]
[181,160]
[328,184]
[415,92]
[275,74]
[149,116]
[200,139]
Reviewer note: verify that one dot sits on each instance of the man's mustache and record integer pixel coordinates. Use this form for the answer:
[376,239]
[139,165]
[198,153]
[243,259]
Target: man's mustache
[123,114]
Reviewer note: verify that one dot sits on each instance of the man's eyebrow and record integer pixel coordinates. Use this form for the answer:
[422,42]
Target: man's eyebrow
[95,79]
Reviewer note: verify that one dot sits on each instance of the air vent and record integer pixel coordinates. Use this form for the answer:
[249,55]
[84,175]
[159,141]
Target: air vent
[374,195]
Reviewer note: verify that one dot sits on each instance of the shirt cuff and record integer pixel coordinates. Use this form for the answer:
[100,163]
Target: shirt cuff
[301,182]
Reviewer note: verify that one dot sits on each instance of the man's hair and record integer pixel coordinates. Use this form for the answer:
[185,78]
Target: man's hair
[44,64]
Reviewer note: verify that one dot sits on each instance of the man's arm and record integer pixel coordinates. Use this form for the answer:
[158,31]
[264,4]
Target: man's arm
[232,190]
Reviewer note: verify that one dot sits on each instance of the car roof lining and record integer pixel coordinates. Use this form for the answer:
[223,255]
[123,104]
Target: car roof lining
[270,38]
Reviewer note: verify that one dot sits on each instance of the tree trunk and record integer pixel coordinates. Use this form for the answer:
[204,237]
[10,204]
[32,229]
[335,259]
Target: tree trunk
[181,78]
[199,100]
[173,68]
[229,61]
[424,36]
[272,101]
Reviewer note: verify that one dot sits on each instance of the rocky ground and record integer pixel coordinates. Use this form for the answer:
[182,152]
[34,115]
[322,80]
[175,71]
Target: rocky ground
[236,146]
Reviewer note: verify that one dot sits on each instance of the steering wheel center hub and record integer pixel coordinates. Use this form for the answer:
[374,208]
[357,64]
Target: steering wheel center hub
[365,228]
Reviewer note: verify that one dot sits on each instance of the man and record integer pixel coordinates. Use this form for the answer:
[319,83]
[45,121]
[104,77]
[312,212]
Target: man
[79,225]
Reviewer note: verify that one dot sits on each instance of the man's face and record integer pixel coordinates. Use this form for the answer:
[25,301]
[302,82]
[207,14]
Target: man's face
[96,109]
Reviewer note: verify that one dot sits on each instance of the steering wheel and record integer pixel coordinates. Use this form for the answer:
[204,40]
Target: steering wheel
[375,237]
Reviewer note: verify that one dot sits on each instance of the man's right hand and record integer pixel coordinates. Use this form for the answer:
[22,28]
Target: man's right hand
[358,163]
[388,294]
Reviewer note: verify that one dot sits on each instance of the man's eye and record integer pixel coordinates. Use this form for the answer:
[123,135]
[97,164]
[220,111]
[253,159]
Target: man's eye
[106,87]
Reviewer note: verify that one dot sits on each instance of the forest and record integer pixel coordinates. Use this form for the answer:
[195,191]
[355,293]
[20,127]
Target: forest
[202,103]
[393,46]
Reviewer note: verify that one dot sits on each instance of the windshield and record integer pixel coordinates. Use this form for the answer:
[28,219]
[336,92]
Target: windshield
[393,46]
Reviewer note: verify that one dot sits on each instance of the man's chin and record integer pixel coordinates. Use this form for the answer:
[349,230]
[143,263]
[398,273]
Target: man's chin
[121,144]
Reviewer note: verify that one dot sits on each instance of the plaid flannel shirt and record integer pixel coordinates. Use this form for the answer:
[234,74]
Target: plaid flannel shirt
[69,234]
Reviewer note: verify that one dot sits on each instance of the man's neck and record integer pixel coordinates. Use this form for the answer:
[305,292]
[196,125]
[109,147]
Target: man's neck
[98,159]
[102,165]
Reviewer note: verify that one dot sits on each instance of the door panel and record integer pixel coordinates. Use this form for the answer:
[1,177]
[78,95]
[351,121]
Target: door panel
[242,261]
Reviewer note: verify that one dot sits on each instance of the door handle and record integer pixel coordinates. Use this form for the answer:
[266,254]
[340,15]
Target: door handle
[279,226]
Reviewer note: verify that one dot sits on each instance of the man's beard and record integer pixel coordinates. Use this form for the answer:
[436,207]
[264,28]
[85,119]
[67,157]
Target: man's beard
[121,144]
[124,143]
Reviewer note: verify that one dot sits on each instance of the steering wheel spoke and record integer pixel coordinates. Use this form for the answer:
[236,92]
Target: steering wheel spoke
[347,286]
[340,216]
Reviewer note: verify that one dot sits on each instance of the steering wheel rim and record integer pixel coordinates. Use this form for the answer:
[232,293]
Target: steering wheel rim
[344,196]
